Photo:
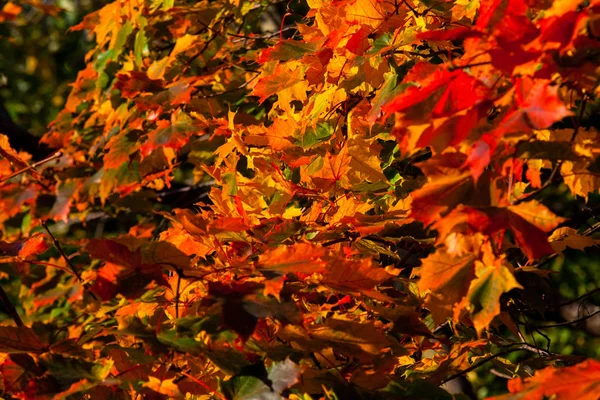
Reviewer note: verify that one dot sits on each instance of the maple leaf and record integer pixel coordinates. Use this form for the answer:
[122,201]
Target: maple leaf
[465,9]
[166,387]
[493,278]
[361,340]
[286,50]
[578,381]
[137,83]
[358,43]
[529,223]
[20,339]
[578,177]
[34,245]
[171,134]
[280,376]
[283,76]
[447,132]
[301,257]
[334,169]
[234,314]
[280,133]
[365,164]
[443,94]
[126,271]
[565,237]
[540,102]
[440,196]
[355,277]
[447,277]
[120,148]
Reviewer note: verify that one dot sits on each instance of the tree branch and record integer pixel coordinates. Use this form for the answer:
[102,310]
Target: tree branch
[62,252]
[10,308]
[565,323]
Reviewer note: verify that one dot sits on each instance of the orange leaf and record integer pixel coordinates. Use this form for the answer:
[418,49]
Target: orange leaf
[540,102]
[581,382]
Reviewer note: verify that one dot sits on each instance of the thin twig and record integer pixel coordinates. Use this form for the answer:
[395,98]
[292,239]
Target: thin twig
[10,308]
[264,36]
[30,167]
[424,55]
[500,374]
[565,323]
[178,293]
[62,252]
[479,64]
[242,86]
[411,250]
[578,299]
[520,347]
[411,8]
[478,364]
[204,385]
[558,164]
[528,347]
[588,232]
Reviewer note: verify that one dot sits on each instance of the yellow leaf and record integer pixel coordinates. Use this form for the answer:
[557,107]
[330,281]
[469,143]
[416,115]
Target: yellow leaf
[348,207]
[537,214]
[565,237]
[447,277]
[157,69]
[483,300]
[579,179]
[166,387]
[183,43]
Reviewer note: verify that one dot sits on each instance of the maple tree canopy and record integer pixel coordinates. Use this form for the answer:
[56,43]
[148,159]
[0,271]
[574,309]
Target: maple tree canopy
[362,203]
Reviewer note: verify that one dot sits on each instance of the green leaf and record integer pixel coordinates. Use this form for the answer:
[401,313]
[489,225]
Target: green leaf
[69,369]
[313,136]
[387,91]
[180,342]
[141,41]
[248,388]
[381,43]
[288,50]
[122,36]
[281,375]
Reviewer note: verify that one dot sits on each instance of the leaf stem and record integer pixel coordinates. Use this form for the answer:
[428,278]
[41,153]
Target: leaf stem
[32,166]
[204,385]
[478,364]
[10,308]
[62,252]
[565,323]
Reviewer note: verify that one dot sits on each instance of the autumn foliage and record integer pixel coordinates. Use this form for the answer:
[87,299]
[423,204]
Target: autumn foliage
[349,207]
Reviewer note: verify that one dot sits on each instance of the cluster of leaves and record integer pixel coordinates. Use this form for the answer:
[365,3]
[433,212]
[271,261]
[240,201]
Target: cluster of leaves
[348,207]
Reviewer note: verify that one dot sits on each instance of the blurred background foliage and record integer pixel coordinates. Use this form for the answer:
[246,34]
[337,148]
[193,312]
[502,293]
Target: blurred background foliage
[39,58]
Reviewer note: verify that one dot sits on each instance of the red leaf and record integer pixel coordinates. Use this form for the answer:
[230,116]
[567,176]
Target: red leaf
[358,43]
[20,339]
[444,93]
[136,83]
[480,156]
[448,34]
[540,102]
[33,246]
